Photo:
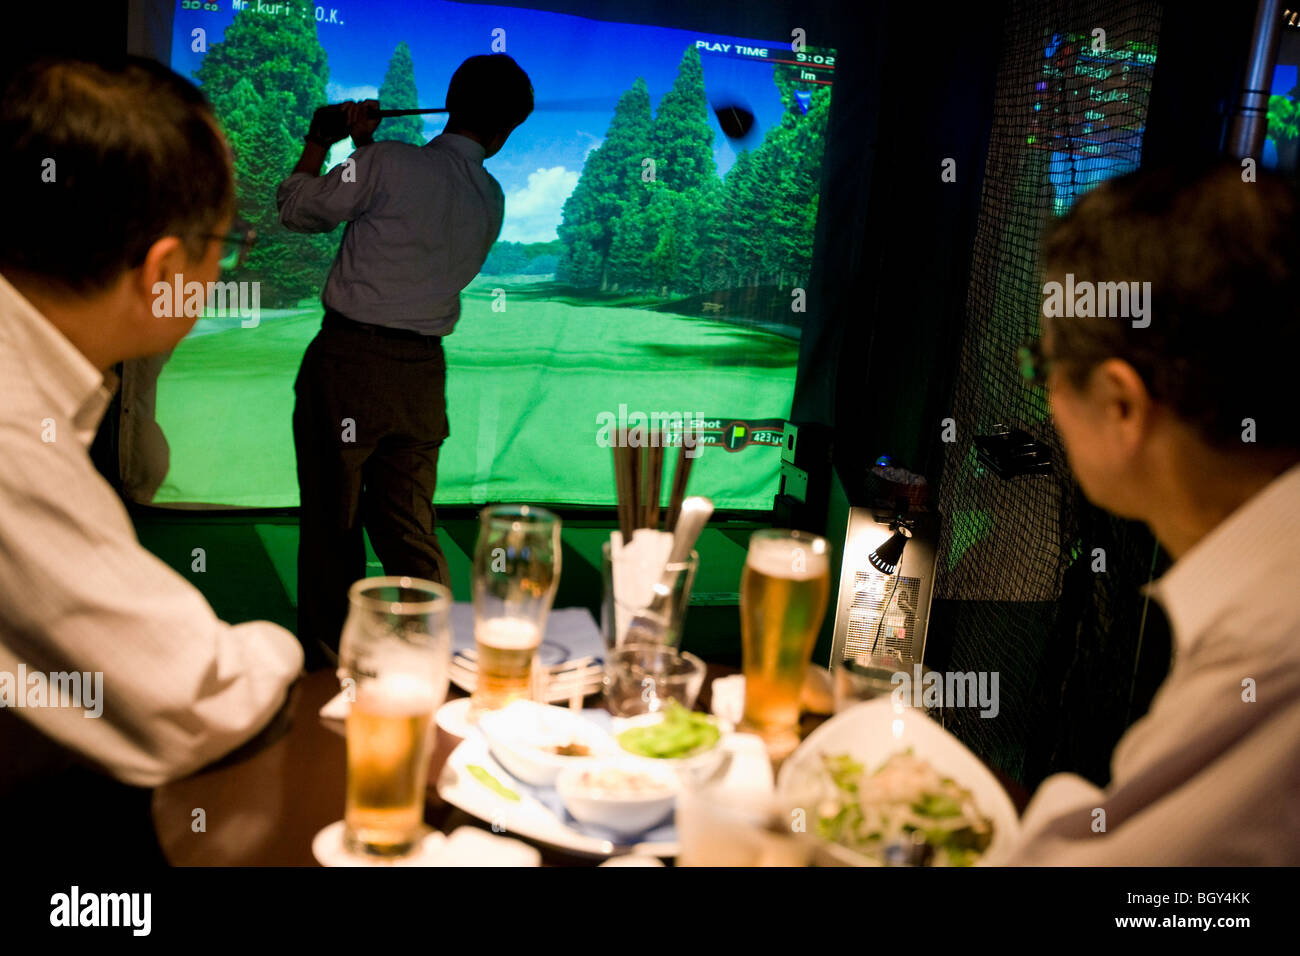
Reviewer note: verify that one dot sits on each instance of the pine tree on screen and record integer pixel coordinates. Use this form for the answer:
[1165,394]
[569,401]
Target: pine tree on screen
[667,242]
[744,229]
[265,79]
[398,93]
[633,235]
[1284,127]
[704,263]
[610,180]
[659,269]
[683,137]
[772,195]
[688,231]
[800,140]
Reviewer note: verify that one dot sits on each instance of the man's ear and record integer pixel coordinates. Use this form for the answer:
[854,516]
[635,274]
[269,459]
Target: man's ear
[165,259]
[1124,405]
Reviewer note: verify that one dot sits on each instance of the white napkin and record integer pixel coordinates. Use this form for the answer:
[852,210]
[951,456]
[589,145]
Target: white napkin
[750,771]
[728,699]
[337,707]
[470,846]
[637,567]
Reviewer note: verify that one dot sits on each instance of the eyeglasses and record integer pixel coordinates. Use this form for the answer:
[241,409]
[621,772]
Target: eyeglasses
[235,246]
[1035,364]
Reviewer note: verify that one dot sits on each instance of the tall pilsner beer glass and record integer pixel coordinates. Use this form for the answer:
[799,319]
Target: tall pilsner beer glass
[783,593]
[393,660]
[516,573]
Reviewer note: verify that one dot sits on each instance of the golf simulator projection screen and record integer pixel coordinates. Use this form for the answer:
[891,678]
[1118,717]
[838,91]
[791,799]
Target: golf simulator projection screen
[650,264]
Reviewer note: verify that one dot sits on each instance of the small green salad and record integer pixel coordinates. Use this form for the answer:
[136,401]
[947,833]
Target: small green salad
[680,734]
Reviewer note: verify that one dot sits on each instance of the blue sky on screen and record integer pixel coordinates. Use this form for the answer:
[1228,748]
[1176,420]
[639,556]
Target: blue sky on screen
[566,57]
[1284,78]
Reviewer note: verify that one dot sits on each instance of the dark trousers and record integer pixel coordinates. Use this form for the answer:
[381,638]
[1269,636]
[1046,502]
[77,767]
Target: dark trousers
[369,417]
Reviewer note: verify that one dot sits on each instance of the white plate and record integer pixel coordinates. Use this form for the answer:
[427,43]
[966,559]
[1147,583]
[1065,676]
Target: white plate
[527,817]
[748,771]
[453,717]
[327,846]
[874,731]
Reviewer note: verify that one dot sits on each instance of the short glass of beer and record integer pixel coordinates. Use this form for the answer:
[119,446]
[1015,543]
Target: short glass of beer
[783,594]
[516,573]
[393,660]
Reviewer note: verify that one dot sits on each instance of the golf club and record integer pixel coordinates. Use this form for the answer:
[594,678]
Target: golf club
[593,105]
[735,120]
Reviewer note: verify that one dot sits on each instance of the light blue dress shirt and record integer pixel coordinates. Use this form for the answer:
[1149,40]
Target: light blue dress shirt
[420,222]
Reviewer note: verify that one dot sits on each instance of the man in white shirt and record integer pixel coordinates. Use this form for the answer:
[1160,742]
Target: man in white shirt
[120,179]
[371,408]
[1181,412]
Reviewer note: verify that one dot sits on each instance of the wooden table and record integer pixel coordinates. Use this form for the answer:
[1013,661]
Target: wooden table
[263,805]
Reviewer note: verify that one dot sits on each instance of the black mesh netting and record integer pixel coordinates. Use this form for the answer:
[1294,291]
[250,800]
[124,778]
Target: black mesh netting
[1016,587]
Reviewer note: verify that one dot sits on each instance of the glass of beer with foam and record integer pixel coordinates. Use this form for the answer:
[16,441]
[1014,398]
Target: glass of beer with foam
[783,594]
[516,573]
[393,661]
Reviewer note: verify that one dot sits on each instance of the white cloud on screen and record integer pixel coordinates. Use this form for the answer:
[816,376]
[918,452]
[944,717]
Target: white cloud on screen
[337,93]
[338,152]
[533,211]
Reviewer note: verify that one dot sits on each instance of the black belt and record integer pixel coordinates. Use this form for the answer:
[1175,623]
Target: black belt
[337,321]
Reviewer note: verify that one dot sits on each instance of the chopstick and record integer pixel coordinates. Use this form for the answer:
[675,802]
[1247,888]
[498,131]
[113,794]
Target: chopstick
[623,488]
[680,476]
[654,472]
[571,676]
[470,654]
[634,495]
[569,681]
[580,663]
[639,480]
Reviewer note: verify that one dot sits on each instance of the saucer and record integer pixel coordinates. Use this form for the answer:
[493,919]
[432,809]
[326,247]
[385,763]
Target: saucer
[327,846]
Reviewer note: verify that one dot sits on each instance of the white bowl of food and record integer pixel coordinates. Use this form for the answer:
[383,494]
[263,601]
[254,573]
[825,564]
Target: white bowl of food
[625,796]
[686,742]
[890,785]
[535,742]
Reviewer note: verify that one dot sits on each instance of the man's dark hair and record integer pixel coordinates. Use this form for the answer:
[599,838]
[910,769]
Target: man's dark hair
[131,152]
[1223,259]
[489,94]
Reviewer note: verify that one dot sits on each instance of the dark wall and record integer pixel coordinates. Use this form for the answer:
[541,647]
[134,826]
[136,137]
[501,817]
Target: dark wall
[1197,80]
[79,29]
[896,239]
[757,19]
